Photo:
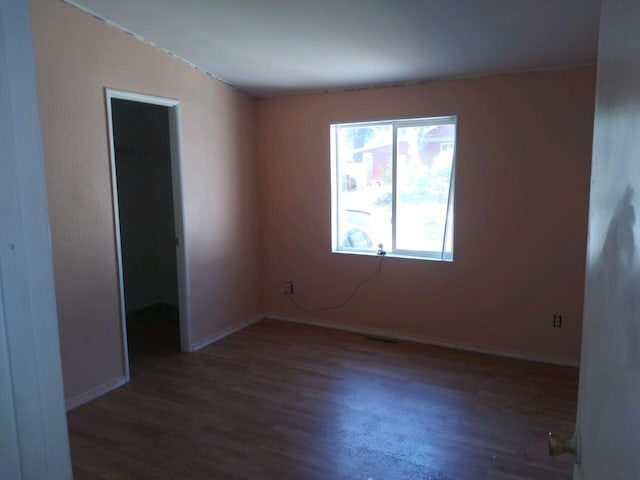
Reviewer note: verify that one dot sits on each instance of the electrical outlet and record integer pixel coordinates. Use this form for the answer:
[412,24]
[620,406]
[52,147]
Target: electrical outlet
[557,321]
[288,288]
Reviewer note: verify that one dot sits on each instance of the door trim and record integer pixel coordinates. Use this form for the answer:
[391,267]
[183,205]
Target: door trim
[175,137]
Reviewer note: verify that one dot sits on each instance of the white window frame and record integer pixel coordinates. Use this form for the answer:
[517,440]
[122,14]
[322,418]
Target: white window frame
[335,187]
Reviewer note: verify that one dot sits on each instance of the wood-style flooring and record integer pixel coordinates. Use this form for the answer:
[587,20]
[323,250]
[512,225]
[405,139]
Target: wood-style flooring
[286,401]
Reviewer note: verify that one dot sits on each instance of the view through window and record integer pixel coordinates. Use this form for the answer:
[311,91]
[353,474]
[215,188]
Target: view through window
[393,184]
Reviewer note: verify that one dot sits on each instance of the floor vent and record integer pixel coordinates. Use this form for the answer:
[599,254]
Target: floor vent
[377,338]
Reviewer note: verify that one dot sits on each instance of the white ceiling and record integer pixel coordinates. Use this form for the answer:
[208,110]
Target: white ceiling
[278,47]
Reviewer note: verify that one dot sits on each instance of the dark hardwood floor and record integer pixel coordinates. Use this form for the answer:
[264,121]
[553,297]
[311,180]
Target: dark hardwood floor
[286,401]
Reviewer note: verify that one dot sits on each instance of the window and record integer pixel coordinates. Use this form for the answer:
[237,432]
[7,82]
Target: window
[393,184]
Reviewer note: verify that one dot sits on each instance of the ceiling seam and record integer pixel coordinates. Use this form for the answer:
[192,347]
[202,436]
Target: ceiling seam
[154,45]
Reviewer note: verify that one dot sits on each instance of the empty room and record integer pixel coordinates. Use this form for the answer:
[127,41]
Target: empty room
[320,239]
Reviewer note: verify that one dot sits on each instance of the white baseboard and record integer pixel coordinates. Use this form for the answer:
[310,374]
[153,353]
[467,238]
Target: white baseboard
[225,333]
[420,339]
[94,393]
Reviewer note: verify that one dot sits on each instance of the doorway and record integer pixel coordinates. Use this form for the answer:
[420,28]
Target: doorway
[148,212]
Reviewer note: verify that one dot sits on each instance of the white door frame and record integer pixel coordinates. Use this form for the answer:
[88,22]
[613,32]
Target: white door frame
[33,426]
[175,135]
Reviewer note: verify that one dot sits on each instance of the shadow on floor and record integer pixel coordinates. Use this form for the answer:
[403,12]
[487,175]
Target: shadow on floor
[154,330]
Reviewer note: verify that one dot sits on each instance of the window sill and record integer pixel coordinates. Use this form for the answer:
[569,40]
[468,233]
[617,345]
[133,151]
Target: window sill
[392,255]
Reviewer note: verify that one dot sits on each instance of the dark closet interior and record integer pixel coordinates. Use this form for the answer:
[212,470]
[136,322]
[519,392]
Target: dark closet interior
[147,227]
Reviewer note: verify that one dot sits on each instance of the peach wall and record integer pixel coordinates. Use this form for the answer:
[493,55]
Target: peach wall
[78,56]
[523,163]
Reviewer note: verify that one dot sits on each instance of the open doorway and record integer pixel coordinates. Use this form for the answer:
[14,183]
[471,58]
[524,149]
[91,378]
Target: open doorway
[145,162]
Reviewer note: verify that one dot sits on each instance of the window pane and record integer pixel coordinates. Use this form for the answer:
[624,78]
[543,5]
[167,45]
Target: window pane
[364,183]
[424,166]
